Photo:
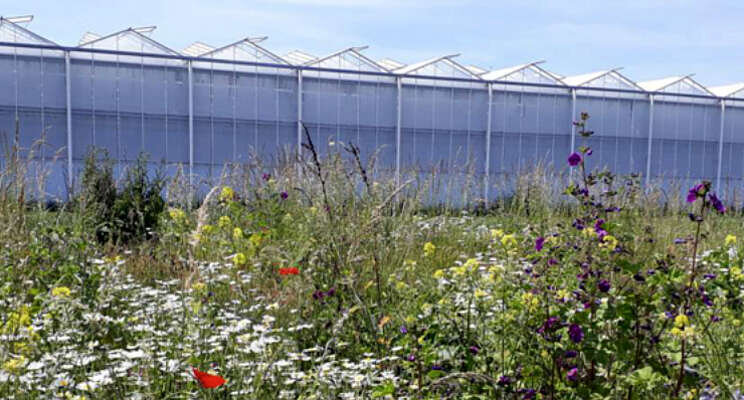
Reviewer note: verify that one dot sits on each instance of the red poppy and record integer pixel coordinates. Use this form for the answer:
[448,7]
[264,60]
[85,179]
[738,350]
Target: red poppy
[289,271]
[208,381]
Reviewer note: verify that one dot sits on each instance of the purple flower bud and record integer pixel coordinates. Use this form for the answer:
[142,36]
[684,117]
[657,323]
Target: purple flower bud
[604,286]
[574,159]
[474,350]
[504,381]
[284,195]
[575,333]
[539,242]
[403,329]
[528,394]
[265,176]
[411,357]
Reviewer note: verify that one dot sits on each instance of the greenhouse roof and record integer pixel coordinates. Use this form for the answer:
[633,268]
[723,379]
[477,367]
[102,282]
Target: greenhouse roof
[130,39]
[245,50]
[530,72]
[12,31]
[606,78]
[349,58]
[297,57]
[476,69]
[196,49]
[443,66]
[390,64]
[675,84]
[733,90]
[137,40]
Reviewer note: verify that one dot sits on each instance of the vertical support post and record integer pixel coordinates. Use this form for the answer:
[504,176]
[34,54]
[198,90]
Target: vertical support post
[299,113]
[650,137]
[68,110]
[489,112]
[573,129]
[573,115]
[191,123]
[398,121]
[720,145]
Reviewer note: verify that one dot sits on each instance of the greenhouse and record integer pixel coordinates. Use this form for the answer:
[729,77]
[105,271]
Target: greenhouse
[207,106]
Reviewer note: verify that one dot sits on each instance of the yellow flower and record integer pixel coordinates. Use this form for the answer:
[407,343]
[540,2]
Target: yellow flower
[240,259]
[609,242]
[255,239]
[730,240]
[458,271]
[429,249]
[439,274]
[497,233]
[176,214]
[508,240]
[480,293]
[14,365]
[680,321]
[237,233]
[227,193]
[199,287]
[471,264]
[589,231]
[401,285]
[224,221]
[207,229]
[61,291]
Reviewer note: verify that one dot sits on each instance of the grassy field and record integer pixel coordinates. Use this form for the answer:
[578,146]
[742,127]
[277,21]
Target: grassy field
[317,281]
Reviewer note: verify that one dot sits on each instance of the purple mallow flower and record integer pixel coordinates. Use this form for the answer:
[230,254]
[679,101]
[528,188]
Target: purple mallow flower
[694,192]
[504,380]
[539,242]
[575,333]
[716,203]
[572,375]
[403,329]
[604,286]
[574,159]
[284,195]
[474,350]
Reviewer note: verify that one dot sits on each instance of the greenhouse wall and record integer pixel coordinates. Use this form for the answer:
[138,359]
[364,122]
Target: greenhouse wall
[201,114]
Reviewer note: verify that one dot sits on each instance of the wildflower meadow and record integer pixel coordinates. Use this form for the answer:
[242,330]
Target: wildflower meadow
[319,277]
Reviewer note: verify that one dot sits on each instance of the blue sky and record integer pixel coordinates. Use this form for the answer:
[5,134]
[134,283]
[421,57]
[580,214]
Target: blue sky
[649,38]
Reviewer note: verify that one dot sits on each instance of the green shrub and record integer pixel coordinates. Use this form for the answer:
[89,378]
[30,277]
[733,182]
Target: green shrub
[129,213]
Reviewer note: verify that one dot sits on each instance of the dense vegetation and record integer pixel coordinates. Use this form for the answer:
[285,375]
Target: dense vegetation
[319,279]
